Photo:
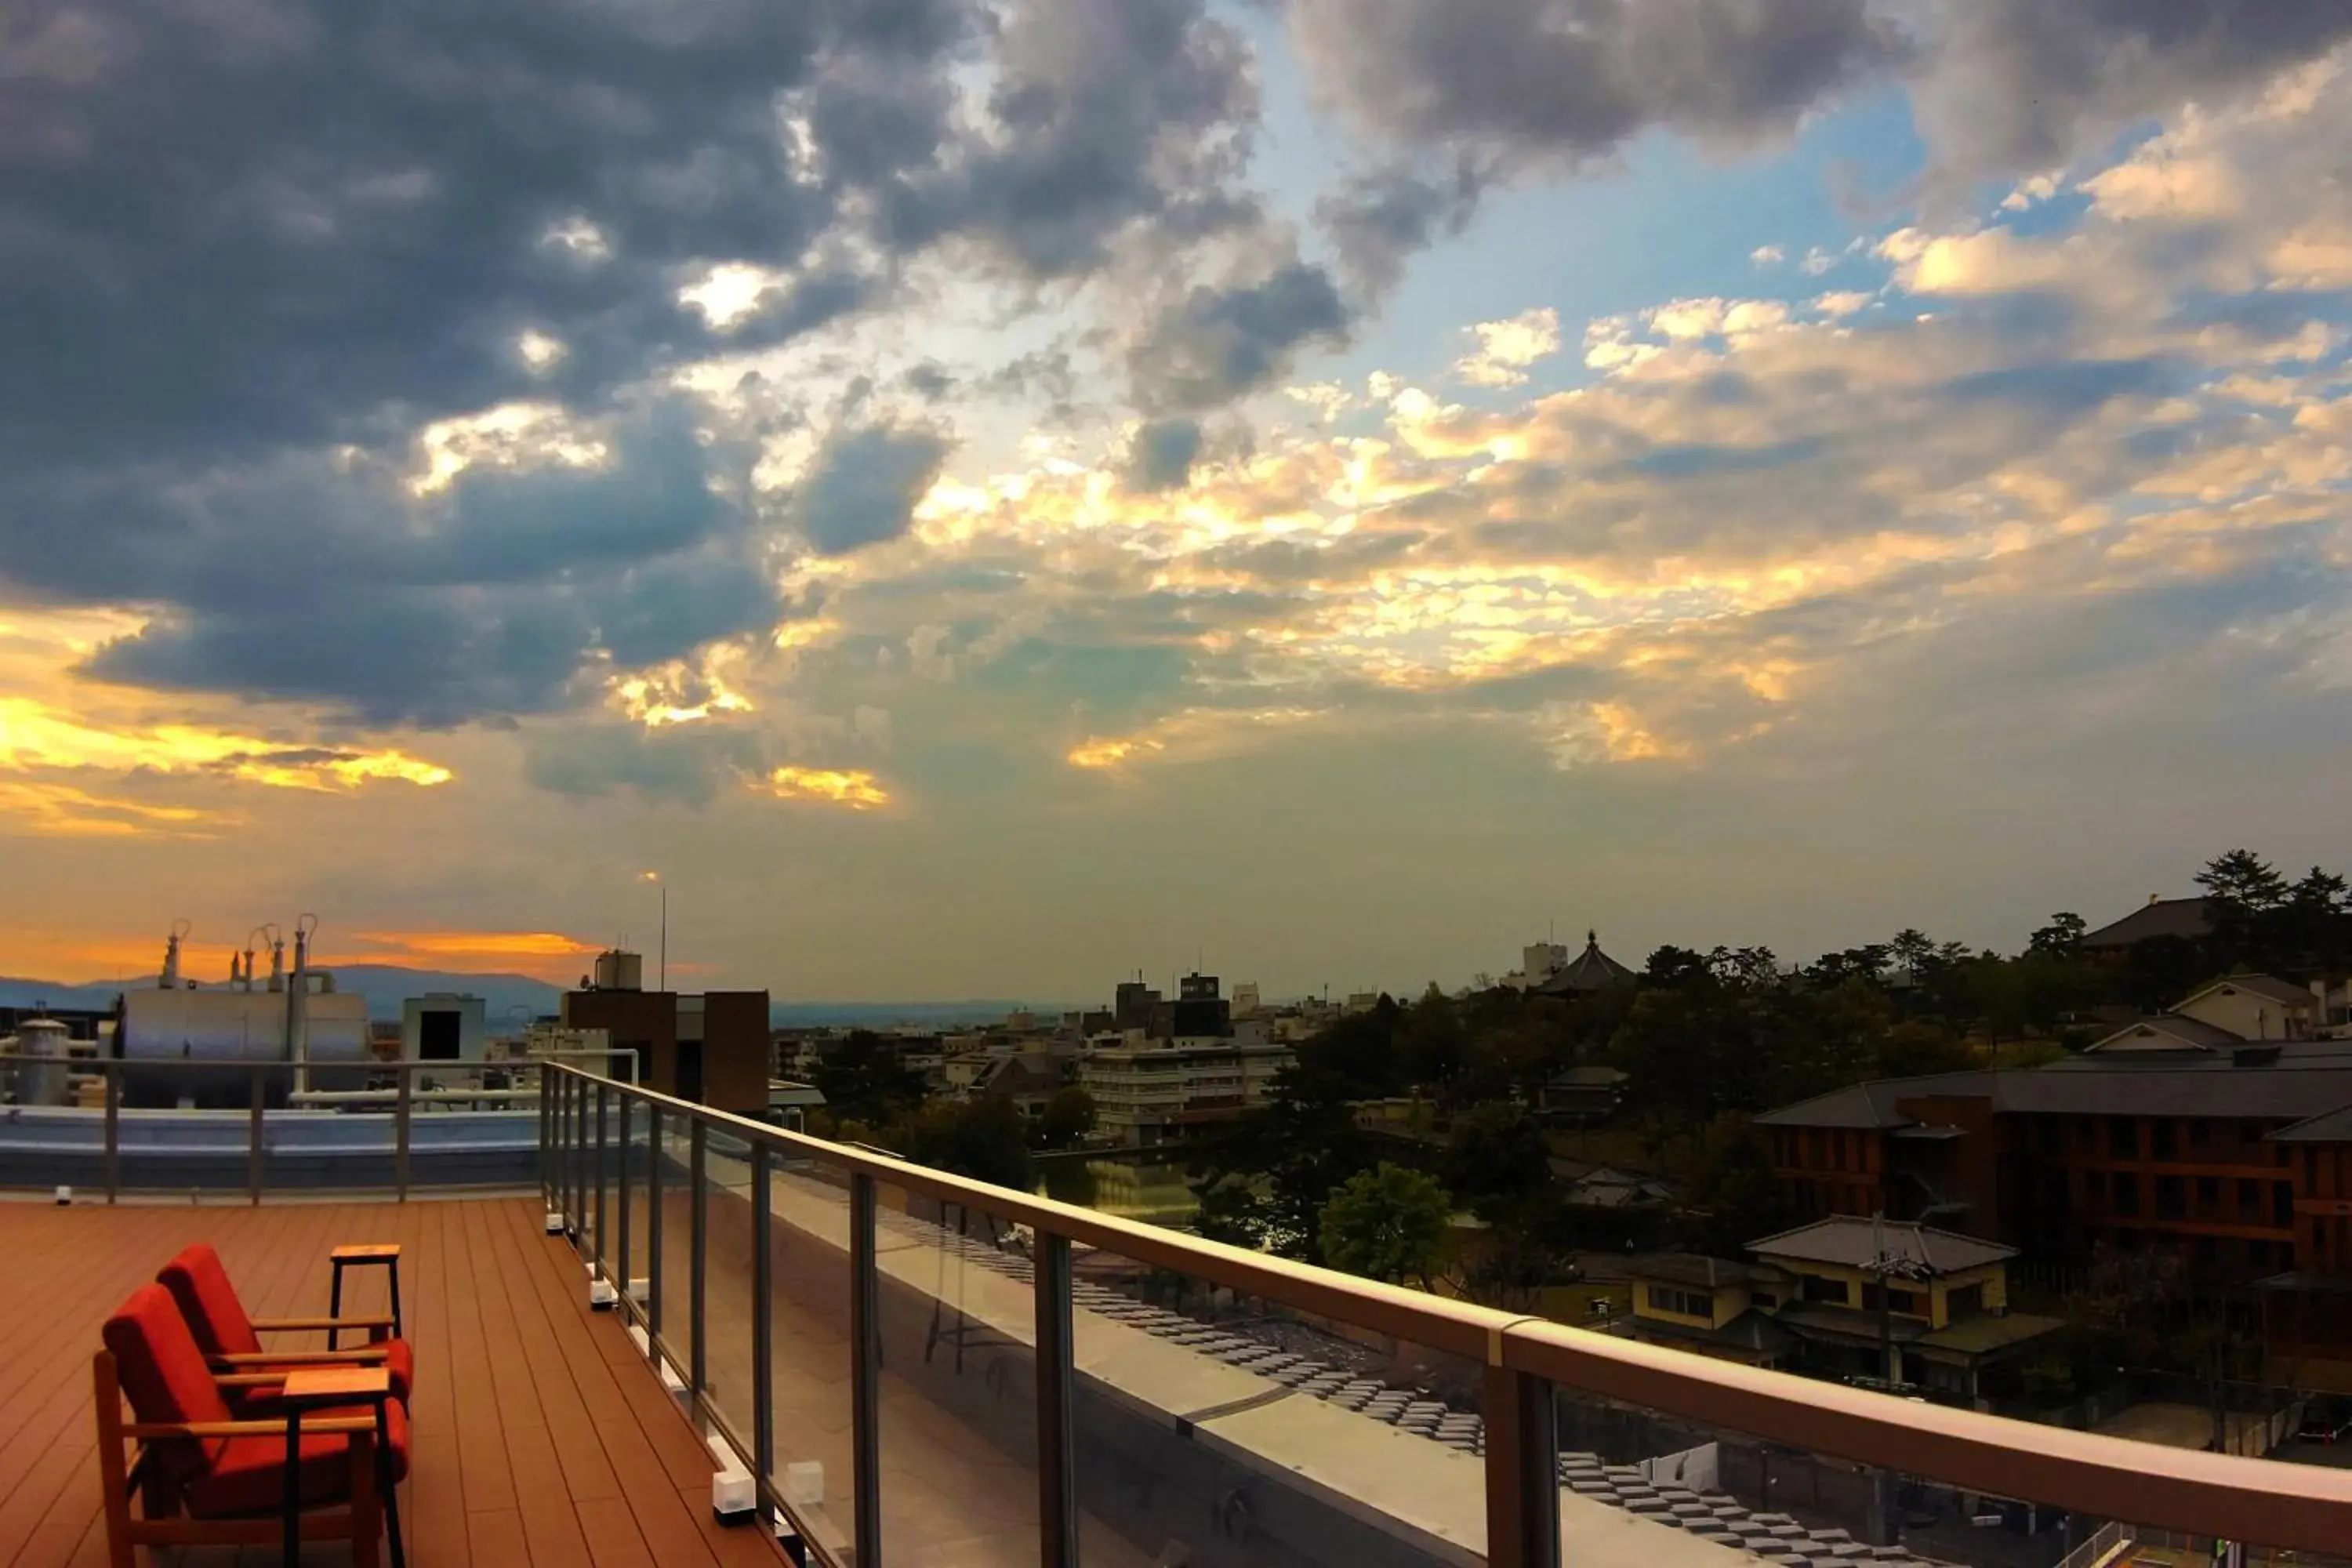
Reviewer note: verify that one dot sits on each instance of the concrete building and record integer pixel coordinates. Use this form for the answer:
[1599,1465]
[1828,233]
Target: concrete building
[712,1049]
[1845,1297]
[1147,1094]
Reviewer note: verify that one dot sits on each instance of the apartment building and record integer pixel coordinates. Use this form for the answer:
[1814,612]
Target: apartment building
[1149,1092]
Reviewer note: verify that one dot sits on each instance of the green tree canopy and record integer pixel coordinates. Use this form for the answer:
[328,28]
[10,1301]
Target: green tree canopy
[1388,1222]
[1067,1118]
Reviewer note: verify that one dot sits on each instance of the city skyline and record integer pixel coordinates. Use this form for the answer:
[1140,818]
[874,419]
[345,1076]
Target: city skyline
[973,499]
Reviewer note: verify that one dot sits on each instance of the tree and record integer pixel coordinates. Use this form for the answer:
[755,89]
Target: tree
[985,1139]
[2062,937]
[1731,1196]
[863,1080]
[1496,1160]
[2249,897]
[1388,1222]
[1267,1178]
[1067,1118]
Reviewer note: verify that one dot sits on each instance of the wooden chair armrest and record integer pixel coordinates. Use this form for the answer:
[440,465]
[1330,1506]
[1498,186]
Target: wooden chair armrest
[248,1379]
[274,1325]
[361,1353]
[148,1431]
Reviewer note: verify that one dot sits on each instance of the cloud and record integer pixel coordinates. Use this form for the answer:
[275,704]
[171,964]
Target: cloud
[1160,457]
[1215,344]
[1998,86]
[864,485]
[1377,220]
[1506,349]
[2017,85]
[854,789]
[1561,82]
[1767,255]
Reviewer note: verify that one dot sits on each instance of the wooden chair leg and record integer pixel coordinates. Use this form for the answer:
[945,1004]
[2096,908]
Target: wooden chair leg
[106,1394]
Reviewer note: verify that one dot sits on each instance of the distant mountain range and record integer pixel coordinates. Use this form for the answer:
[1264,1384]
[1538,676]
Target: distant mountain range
[506,996]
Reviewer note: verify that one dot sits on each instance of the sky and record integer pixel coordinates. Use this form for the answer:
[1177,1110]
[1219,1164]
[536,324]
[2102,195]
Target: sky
[988,497]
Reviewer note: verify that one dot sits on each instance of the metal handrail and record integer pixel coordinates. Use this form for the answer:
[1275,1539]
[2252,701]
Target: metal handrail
[2291,1507]
[399,1101]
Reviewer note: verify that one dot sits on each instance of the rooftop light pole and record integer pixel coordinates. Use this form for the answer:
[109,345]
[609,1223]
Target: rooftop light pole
[1883,1266]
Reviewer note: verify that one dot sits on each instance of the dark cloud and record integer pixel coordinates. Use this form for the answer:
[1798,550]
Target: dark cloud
[1107,114]
[1546,80]
[235,226]
[248,248]
[1215,344]
[2000,85]
[2015,84]
[864,485]
[1162,454]
[684,762]
[304,579]
[1379,219]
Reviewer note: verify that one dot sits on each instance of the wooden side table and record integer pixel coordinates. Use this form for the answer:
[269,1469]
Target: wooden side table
[383,1254]
[318,1388]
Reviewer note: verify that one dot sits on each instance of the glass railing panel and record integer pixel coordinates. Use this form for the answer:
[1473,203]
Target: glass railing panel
[1640,1487]
[632,1134]
[678,1202]
[727,1282]
[1216,1429]
[958,1397]
[808,1316]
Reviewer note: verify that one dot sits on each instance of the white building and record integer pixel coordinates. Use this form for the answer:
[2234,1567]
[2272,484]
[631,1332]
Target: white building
[1148,1094]
[1246,999]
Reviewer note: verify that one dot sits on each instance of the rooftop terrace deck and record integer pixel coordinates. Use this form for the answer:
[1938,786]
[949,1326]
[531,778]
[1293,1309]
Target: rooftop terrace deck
[542,1437]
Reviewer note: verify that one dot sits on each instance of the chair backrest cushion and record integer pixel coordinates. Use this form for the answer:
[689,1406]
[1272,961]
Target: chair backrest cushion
[208,1302]
[163,1376]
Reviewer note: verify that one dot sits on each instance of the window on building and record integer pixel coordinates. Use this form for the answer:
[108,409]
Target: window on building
[2258,1257]
[2094,1184]
[1818,1289]
[2053,1188]
[1689,1303]
[2127,1193]
[2052,1133]
[2160,1140]
[2209,1189]
[1966,1302]
[2200,1133]
[2171,1197]
[2283,1203]
[2311,1168]
[2249,1195]
[2122,1138]
[1821,1143]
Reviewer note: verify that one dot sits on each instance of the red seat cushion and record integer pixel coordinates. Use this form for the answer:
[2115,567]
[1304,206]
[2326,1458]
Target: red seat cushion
[249,1475]
[163,1375]
[217,1319]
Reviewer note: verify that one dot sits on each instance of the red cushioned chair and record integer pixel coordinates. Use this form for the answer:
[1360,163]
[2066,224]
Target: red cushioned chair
[207,1478]
[232,1341]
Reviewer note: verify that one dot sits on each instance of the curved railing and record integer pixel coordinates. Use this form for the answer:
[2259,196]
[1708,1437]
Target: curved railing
[805,1195]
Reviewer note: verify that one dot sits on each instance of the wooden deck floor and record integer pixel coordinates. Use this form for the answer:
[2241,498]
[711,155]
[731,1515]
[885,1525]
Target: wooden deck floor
[542,1437]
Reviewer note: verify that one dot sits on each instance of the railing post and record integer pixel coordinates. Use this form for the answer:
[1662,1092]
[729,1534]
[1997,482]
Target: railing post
[621,1191]
[764,1416]
[546,1149]
[1057,1510]
[865,1374]
[113,1077]
[579,1162]
[596,1166]
[252,1137]
[696,1249]
[1522,1468]
[654,1225]
[400,1137]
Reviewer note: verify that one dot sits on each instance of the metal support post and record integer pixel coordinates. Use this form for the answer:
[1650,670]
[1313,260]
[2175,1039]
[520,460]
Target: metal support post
[1057,1508]
[865,1374]
[654,1223]
[113,1075]
[1522,1471]
[253,1155]
[400,1107]
[698,1251]
[763,1414]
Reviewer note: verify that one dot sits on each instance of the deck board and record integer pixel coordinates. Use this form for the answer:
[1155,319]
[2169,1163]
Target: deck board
[540,1437]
